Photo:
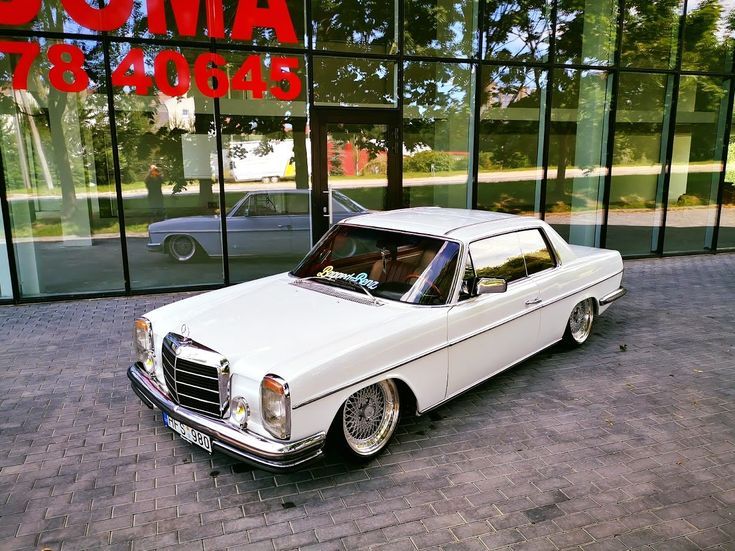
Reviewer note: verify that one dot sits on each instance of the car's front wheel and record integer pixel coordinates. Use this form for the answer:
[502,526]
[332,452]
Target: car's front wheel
[369,418]
[579,325]
[182,248]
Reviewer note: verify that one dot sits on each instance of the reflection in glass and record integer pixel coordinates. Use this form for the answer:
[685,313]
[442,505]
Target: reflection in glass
[585,31]
[444,28]
[511,140]
[499,256]
[638,171]
[708,36]
[357,167]
[6,285]
[696,163]
[726,236]
[436,134]
[650,30]
[168,172]
[517,30]
[577,145]
[231,24]
[56,148]
[354,26]
[51,17]
[265,145]
[354,82]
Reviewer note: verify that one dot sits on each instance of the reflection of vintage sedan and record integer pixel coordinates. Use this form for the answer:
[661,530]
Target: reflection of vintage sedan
[391,311]
[261,223]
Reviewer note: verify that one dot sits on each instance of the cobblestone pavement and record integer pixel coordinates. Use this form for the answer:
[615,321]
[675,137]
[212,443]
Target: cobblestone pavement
[626,443]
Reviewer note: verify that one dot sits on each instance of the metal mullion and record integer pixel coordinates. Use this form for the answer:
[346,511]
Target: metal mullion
[356,55]
[10,249]
[725,143]
[221,184]
[617,55]
[116,165]
[477,111]
[398,151]
[671,130]
[547,114]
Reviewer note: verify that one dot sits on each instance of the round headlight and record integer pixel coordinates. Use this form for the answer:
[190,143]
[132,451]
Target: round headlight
[239,412]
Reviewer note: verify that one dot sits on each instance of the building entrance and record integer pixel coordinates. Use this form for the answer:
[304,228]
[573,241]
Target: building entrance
[356,164]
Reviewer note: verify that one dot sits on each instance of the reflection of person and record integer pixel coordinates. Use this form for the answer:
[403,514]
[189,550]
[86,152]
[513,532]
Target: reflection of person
[153,183]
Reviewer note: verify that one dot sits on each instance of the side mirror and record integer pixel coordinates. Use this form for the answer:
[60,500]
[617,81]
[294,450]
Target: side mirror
[487,285]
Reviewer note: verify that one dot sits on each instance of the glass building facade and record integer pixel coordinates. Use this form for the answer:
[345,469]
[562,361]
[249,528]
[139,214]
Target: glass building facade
[146,145]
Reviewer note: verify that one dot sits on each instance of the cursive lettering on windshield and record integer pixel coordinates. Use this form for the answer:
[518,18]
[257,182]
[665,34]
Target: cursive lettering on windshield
[361,279]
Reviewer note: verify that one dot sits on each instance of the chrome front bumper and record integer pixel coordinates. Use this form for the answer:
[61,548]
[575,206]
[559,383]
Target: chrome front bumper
[254,449]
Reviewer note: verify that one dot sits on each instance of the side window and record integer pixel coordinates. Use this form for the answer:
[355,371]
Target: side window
[535,251]
[297,203]
[266,204]
[498,256]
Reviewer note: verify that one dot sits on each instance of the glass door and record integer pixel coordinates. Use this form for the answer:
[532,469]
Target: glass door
[357,165]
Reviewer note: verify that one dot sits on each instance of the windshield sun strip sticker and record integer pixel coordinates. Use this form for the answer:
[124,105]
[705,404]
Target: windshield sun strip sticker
[454,342]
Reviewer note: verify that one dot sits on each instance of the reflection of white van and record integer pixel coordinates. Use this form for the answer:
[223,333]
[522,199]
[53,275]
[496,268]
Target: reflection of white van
[245,161]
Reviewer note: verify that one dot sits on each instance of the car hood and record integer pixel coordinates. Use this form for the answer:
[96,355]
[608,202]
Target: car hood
[274,326]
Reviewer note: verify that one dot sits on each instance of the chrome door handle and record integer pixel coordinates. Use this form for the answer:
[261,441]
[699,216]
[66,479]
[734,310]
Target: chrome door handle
[284,226]
[532,301]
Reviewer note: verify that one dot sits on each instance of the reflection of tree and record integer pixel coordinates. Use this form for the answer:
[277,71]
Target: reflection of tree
[516,30]
[439,26]
[353,25]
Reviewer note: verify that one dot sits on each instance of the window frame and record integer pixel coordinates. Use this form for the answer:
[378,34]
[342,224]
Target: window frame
[468,259]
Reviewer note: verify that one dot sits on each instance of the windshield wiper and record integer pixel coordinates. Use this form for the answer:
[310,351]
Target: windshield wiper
[344,284]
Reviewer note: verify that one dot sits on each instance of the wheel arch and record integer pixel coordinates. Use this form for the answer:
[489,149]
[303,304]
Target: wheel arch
[167,239]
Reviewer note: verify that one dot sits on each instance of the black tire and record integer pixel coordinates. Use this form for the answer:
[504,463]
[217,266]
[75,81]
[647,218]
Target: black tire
[358,430]
[182,248]
[580,322]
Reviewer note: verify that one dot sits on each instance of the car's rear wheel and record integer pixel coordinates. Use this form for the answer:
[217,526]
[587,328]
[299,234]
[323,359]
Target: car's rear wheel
[369,419]
[579,325]
[182,248]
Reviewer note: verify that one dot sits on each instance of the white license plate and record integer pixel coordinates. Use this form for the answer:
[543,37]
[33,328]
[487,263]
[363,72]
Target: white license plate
[187,433]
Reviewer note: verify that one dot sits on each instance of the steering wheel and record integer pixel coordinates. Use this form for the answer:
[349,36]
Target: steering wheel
[431,285]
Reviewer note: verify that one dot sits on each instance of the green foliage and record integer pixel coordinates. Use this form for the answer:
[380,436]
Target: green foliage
[428,161]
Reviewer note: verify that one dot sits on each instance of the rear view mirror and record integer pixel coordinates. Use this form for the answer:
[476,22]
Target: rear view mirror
[487,285]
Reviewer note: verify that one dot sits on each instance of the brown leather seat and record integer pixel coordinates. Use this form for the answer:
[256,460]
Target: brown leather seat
[395,270]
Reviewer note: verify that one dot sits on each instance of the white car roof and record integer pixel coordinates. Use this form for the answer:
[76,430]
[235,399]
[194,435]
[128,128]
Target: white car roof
[461,224]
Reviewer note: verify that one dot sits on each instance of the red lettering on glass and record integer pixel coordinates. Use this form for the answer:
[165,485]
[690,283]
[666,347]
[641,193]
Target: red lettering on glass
[186,17]
[18,12]
[28,52]
[67,59]
[276,16]
[109,18]
[131,73]
[283,70]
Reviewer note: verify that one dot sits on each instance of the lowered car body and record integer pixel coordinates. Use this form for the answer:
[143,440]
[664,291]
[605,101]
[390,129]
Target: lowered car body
[389,310]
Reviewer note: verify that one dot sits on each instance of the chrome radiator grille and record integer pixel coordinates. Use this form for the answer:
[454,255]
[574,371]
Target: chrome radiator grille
[197,377]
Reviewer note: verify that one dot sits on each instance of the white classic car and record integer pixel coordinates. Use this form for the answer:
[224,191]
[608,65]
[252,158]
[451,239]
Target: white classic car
[389,311]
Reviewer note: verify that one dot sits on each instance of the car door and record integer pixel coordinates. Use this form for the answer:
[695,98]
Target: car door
[259,226]
[487,333]
[541,266]
[299,221]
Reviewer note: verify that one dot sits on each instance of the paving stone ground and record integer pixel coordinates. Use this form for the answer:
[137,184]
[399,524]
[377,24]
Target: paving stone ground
[626,443]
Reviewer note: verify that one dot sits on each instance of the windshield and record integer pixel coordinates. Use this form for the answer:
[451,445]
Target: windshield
[391,265]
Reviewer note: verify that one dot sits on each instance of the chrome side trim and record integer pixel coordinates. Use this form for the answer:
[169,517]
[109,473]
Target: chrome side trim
[612,297]
[245,445]
[454,342]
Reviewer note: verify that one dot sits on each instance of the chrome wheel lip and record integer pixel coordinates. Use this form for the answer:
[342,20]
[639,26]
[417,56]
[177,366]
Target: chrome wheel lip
[580,321]
[176,254]
[368,434]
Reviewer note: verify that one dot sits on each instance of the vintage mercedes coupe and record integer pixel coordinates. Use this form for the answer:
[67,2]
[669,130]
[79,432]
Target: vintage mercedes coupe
[389,311]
